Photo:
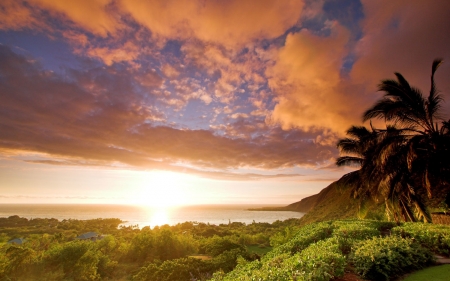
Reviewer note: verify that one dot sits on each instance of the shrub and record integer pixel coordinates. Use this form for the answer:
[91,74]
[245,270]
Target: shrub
[382,258]
[306,236]
[282,237]
[432,236]
[355,230]
[174,270]
[228,260]
[217,245]
[321,261]
[347,233]
[79,260]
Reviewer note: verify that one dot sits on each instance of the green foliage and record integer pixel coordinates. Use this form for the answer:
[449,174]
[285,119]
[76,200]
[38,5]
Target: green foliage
[358,230]
[283,236]
[259,250]
[318,251]
[16,259]
[174,270]
[228,260]
[160,244]
[80,260]
[319,261]
[432,236]
[217,245]
[308,235]
[347,233]
[383,258]
[310,255]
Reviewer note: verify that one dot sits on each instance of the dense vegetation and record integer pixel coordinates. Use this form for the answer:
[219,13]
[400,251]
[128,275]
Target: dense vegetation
[376,250]
[179,252]
[406,163]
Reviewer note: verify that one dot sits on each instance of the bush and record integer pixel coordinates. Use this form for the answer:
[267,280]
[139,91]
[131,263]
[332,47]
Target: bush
[282,237]
[382,258]
[228,260]
[306,236]
[217,245]
[79,260]
[347,233]
[321,261]
[355,230]
[432,236]
[174,270]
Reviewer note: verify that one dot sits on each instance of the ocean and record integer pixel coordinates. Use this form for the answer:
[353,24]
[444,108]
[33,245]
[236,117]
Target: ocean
[146,216]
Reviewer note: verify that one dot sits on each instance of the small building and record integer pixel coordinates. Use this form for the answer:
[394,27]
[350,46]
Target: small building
[17,241]
[87,236]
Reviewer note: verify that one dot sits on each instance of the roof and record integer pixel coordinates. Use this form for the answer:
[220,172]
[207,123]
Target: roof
[87,235]
[18,241]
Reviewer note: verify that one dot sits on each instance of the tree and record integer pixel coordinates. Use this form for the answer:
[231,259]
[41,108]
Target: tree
[404,161]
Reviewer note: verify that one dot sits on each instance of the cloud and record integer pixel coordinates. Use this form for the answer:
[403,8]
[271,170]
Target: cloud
[307,73]
[93,15]
[228,23]
[276,82]
[306,79]
[239,115]
[16,16]
[170,71]
[126,52]
[99,116]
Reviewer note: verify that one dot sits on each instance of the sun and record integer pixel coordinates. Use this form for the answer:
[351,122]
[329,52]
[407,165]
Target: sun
[161,190]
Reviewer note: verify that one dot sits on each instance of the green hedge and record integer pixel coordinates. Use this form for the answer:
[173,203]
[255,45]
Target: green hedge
[382,258]
[435,237]
[321,261]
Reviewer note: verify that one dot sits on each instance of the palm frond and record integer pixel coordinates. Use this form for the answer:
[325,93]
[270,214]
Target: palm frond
[349,161]
[434,99]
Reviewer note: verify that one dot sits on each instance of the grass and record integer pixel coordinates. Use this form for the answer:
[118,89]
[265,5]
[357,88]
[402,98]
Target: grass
[258,250]
[435,273]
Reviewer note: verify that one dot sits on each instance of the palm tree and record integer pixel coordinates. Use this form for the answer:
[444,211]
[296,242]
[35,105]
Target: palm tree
[407,158]
[406,106]
[382,172]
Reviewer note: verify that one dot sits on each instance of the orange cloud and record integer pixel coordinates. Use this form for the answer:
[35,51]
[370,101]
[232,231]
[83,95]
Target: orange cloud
[127,52]
[14,15]
[92,15]
[306,79]
[229,23]
[170,71]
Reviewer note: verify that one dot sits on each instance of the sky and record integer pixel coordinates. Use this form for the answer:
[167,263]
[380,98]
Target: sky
[170,102]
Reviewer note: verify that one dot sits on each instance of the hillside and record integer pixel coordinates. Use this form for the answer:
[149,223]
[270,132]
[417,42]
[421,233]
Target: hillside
[335,202]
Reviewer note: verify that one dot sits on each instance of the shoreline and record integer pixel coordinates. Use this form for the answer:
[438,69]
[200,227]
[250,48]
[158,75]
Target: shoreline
[275,209]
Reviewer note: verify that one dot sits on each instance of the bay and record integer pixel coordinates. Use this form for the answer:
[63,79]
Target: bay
[147,216]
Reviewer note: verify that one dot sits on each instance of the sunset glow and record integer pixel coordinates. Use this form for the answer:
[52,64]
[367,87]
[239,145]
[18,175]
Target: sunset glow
[169,103]
[162,189]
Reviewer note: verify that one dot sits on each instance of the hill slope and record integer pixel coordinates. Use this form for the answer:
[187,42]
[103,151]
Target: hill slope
[334,202]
